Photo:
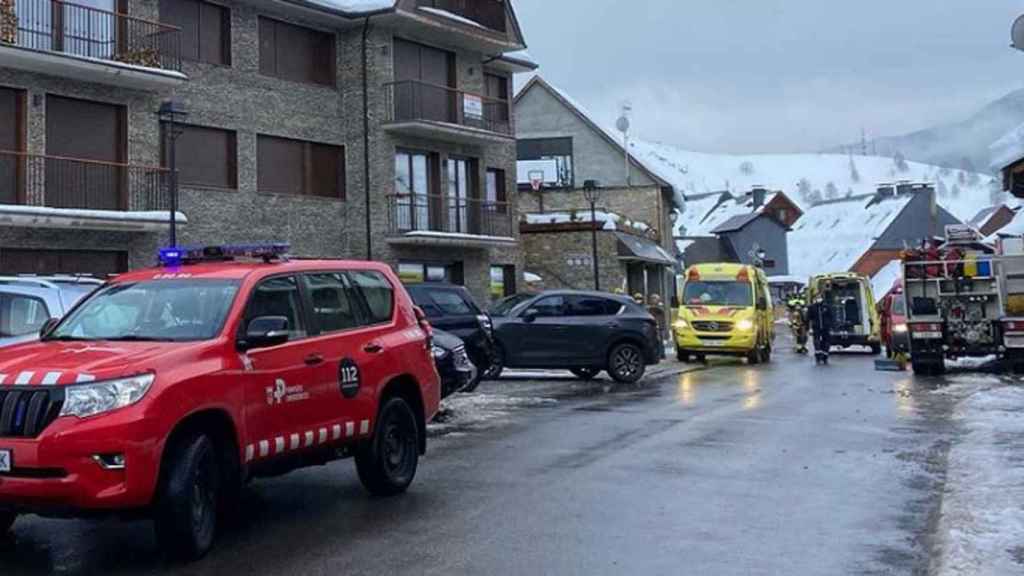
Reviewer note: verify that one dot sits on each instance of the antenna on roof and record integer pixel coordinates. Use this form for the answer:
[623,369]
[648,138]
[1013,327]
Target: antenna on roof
[623,125]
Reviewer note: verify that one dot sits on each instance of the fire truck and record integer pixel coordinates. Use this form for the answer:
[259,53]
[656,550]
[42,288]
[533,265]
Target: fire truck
[964,299]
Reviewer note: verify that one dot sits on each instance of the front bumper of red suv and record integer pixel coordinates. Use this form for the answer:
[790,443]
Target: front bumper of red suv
[72,468]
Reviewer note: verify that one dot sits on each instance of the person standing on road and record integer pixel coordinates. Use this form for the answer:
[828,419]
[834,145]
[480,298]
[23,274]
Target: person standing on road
[821,321]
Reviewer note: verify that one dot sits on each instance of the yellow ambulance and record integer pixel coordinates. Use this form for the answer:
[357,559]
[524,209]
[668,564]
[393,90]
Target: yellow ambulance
[724,310]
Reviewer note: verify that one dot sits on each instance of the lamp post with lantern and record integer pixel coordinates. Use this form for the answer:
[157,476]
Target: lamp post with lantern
[591,193]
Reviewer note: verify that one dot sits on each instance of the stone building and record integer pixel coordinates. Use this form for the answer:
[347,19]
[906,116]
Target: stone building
[347,128]
[561,144]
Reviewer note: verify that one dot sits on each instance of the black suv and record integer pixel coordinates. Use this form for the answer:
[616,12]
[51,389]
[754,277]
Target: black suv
[452,309]
[585,332]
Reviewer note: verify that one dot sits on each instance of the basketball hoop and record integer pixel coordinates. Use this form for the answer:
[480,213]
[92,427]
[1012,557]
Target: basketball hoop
[536,180]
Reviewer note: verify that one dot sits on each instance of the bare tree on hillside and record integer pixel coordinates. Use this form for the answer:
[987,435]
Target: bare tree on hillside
[747,168]
[803,190]
[831,192]
[900,161]
[854,173]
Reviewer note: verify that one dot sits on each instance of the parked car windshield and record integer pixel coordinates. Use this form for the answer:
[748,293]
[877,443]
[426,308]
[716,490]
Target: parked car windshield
[151,311]
[725,293]
[21,314]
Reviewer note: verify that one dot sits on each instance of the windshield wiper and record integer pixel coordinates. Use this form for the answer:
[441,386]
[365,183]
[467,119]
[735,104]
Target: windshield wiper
[67,338]
[136,338]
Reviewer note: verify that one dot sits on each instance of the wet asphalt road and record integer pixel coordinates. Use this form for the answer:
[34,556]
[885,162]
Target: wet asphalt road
[781,469]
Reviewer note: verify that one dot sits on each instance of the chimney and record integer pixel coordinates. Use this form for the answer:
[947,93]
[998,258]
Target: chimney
[758,194]
[886,191]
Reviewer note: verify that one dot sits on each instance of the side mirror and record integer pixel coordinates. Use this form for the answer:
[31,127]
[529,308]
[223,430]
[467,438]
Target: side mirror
[762,303]
[265,332]
[48,327]
[530,315]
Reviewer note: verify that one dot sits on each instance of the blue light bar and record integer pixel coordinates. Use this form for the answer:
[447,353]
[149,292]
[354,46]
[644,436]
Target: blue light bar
[192,254]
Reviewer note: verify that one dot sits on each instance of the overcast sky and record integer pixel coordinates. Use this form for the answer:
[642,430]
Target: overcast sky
[776,75]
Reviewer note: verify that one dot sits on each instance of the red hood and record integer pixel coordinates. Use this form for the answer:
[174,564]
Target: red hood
[63,363]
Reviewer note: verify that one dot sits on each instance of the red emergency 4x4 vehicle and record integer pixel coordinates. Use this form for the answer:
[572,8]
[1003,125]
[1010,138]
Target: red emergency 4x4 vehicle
[167,389]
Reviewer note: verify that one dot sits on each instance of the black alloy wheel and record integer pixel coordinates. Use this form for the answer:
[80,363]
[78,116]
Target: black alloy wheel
[626,364]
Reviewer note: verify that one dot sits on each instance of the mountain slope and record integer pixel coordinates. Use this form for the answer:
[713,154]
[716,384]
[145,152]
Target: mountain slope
[948,144]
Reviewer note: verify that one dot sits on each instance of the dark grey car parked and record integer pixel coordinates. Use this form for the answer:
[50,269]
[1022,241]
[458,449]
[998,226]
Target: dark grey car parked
[585,332]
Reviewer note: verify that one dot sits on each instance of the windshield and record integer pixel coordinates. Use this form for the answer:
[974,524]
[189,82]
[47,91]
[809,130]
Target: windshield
[504,306]
[151,311]
[899,306]
[725,293]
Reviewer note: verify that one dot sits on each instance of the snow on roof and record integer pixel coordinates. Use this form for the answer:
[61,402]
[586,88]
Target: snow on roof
[983,215]
[1008,149]
[355,6]
[696,173]
[1014,228]
[611,220]
[832,236]
[884,280]
[450,15]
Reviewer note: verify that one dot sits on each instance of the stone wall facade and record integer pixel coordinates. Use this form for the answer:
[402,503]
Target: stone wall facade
[563,260]
[239,98]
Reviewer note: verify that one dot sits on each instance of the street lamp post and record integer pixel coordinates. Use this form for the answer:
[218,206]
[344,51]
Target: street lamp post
[169,113]
[591,193]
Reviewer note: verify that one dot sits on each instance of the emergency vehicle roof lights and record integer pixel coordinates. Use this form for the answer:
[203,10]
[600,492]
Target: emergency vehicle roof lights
[196,254]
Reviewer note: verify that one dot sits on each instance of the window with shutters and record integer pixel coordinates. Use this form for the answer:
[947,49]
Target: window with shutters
[289,166]
[205,29]
[206,156]
[296,53]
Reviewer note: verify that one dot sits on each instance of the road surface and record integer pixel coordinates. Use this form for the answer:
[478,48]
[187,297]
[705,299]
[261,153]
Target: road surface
[786,469]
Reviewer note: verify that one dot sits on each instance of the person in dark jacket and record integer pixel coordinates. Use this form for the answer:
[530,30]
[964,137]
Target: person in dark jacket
[821,318]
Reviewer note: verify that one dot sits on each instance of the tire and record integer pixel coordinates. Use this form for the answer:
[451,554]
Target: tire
[626,364]
[928,367]
[754,356]
[701,359]
[497,364]
[683,357]
[387,464]
[473,384]
[7,521]
[587,374]
[187,511]
[767,357]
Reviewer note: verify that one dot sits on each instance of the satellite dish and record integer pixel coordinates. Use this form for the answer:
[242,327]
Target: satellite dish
[622,124]
[1017,34]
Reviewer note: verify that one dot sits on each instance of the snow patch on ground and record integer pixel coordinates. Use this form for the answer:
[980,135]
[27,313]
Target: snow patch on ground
[981,531]
[972,363]
[478,411]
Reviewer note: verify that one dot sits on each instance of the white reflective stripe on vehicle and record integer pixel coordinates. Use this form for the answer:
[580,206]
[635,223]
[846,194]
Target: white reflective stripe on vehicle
[364,427]
[309,438]
[250,453]
[264,448]
[295,442]
[278,445]
[82,378]
[24,378]
[336,432]
[323,436]
[350,429]
[51,378]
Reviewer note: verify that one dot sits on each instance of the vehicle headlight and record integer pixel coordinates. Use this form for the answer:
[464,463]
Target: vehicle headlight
[486,323]
[681,324]
[438,352]
[745,325]
[899,328]
[98,397]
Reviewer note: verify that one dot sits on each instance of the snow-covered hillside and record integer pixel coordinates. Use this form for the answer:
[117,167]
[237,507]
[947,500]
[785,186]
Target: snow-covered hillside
[806,178]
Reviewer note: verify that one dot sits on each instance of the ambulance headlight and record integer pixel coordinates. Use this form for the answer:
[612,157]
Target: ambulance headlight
[745,325]
[86,400]
[900,329]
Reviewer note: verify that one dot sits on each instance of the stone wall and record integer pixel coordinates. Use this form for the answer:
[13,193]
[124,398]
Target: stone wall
[638,203]
[563,260]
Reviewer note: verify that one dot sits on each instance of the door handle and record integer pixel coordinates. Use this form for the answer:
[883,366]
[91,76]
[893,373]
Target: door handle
[373,348]
[314,359]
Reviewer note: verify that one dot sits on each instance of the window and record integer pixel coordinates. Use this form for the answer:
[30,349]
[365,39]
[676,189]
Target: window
[496,90]
[297,53]
[424,79]
[417,273]
[497,199]
[85,130]
[378,294]
[503,282]
[332,308]
[289,166]
[783,215]
[461,187]
[21,315]
[550,307]
[592,306]
[12,138]
[278,297]
[48,262]
[451,303]
[205,29]
[552,156]
[206,156]
[413,183]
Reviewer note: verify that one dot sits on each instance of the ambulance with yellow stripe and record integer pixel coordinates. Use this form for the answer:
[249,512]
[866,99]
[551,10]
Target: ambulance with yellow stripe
[725,310]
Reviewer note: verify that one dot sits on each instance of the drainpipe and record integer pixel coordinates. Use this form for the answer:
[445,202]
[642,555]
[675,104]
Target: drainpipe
[366,137]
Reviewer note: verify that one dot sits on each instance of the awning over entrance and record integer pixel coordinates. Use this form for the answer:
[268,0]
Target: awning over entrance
[640,249]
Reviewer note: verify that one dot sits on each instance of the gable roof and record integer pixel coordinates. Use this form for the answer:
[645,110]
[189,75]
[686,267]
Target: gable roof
[604,132]
[833,235]
[740,221]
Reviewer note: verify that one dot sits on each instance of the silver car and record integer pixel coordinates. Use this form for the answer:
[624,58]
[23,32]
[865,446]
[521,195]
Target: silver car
[27,302]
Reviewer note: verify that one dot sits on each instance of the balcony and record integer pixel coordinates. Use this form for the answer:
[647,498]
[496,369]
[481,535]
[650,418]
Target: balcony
[487,13]
[436,220]
[92,45]
[436,112]
[55,192]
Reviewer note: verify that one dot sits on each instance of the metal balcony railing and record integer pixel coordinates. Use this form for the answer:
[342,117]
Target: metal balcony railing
[409,213]
[68,28]
[57,182]
[411,101]
[487,13]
